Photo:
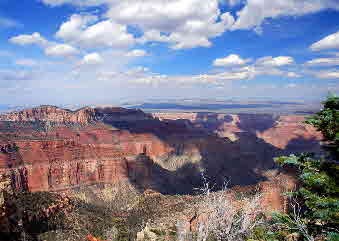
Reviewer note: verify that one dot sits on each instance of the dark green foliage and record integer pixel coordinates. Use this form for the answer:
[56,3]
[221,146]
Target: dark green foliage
[318,194]
[124,233]
[315,211]
[327,121]
[158,232]
[263,233]
[145,211]
[333,236]
[26,212]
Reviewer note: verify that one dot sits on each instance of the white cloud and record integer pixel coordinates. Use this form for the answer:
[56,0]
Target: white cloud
[292,85]
[181,23]
[80,30]
[136,53]
[186,23]
[277,61]
[61,50]
[92,59]
[140,70]
[27,39]
[52,49]
[293,75]
[328,74]
[254,71]
[230,60]
[26,62]
[153,35]
[72,28]
[323,62]
[329,42]
[144,76]
[256,11]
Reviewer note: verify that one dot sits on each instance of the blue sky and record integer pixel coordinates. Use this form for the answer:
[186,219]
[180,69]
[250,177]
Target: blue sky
[113,51]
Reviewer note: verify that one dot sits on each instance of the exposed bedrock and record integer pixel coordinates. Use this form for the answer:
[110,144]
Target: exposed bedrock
[53,149]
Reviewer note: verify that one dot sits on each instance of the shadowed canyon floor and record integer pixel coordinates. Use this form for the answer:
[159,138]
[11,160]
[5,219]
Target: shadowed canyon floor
[88,152]
[53,149]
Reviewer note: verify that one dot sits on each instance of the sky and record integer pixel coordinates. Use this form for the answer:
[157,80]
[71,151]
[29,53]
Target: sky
[114,51]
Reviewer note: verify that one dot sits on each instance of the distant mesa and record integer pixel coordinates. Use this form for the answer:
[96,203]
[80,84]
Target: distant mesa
[214,105]
[161,106]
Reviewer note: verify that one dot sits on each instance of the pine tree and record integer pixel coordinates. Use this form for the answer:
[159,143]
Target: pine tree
[317,198]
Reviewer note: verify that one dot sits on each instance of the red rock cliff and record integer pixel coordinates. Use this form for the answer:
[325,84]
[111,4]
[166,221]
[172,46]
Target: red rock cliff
[51,113]
[66,156]
[107,145]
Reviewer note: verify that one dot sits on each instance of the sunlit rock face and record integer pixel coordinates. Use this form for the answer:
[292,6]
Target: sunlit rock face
[53,149]
[51,113]
[276,130]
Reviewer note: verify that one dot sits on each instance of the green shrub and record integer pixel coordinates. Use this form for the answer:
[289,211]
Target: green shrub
[314,211]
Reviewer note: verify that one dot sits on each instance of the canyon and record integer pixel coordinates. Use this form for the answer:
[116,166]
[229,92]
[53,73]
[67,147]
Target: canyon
[52,149]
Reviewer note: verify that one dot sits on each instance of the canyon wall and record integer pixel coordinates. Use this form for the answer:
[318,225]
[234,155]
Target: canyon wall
[276,130]
[52,149]
[75,150]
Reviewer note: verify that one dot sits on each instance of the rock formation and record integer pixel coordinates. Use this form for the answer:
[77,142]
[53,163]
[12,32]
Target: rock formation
[53,149]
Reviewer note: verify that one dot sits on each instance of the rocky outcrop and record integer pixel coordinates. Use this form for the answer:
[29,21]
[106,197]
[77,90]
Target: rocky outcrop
[276,130]
[52,114]
[82,158]
[82,116]
[165,152]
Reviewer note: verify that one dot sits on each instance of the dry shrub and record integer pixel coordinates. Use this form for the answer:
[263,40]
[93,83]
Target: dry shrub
[221,218]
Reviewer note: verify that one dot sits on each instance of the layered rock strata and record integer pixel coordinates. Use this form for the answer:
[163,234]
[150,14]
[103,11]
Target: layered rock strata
[52,149]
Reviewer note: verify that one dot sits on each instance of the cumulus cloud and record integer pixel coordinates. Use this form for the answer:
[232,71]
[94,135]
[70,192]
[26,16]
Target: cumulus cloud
[51,49]
[186,23]
[138,75]
[136,53]
[26,62]
[293,75]
[292,85]
[81,30]
[256,11]
[92,59]
[72,28]
[265,66]
[141,75]
[230,60]
[323,62]
[144,76]
[28,39]
[182,23]
[61,50]
[277,61]
[254,71]
[329,42]
[328,74]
